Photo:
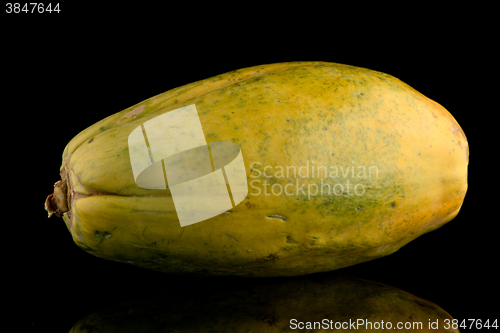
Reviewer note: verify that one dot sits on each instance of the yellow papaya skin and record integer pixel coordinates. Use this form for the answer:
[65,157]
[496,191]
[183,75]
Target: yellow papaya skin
[406,154]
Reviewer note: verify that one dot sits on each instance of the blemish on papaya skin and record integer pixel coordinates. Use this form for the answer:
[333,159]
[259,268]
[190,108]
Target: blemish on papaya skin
[276,216]
[102,235]
[231,238]
[132,114]
[141,246]
[249,205]
[272,256]
[313,240]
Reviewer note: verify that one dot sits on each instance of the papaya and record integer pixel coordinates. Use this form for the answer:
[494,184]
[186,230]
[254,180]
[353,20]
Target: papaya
[313,303]
[275,170]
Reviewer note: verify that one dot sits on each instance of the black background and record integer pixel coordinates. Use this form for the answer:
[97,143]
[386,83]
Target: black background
[63,74]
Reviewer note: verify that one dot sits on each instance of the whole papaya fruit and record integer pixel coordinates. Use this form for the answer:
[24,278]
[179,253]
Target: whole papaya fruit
[275,170]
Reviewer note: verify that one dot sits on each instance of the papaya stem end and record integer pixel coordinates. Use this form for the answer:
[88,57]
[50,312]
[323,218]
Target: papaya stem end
[56,203]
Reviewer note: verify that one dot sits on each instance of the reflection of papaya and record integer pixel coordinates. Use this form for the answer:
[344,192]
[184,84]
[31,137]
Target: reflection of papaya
[333,302]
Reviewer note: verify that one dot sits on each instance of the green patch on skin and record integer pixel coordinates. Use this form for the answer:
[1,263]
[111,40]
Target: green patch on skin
[264,143]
